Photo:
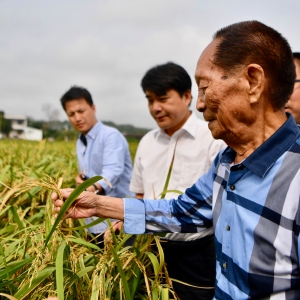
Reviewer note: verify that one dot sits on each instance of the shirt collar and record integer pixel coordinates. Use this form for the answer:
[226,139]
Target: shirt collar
[190,126]
[262,159]
[93,131]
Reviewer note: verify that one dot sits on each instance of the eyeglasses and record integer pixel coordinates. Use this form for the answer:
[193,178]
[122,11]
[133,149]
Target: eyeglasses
[297,80]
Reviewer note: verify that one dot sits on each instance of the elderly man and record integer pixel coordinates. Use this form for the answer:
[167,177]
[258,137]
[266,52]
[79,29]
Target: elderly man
[293,105]
[251,193]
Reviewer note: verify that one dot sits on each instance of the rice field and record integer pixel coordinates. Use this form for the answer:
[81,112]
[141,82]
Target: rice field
[42,255]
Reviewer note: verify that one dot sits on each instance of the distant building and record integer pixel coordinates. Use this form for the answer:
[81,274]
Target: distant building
[21,131]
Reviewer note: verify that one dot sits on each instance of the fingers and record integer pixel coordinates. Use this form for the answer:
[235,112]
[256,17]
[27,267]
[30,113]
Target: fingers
[58,203]
[54,196]
[65,193]
[118,226]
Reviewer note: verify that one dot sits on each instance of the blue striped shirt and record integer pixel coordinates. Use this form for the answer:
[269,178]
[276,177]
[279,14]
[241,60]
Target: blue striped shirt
[254,207]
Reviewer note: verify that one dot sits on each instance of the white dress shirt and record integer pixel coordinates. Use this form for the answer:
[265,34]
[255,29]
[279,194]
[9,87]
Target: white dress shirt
[194,154]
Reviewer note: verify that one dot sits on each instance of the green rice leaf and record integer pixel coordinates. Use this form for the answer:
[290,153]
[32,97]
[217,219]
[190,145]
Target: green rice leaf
[169,191]
[30,286]
[122,274]
[59,264]
[84,272]
[3,211]
[165,294]
[123,241]
[73,196]
[95,289]
[134,283]
[160,252]
[99,220]
[11,248]
[83,242]
[8,296]
[16,217]
[155,293]
[13,267]
[164,192]
[5,264]
[83,267]
[154,262]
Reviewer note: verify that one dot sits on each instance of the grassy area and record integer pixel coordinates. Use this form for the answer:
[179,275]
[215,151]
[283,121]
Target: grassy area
[40,256]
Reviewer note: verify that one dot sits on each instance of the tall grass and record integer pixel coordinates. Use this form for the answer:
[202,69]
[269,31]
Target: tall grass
[41,255]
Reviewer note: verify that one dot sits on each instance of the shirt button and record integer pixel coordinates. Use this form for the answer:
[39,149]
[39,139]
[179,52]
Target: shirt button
[228,228]
[225,265]
[232,187]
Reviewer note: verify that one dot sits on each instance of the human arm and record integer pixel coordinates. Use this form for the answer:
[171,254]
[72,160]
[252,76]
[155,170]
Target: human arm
[118,225]
[89,204]
[114,158]
[192,212]
[142,216]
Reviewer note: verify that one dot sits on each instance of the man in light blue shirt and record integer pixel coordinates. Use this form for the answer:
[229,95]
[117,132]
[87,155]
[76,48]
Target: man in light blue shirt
[101,150]
[251,194]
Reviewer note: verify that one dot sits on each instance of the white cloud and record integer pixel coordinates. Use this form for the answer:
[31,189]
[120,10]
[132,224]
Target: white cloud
[108,45]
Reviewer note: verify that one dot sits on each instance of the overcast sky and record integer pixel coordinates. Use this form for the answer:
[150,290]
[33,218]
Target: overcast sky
[107,46]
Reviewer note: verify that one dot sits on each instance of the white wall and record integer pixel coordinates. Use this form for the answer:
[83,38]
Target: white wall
[32,134]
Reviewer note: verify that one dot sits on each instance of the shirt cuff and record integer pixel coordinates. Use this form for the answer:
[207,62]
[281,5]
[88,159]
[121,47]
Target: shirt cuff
[104,186]
[134,216]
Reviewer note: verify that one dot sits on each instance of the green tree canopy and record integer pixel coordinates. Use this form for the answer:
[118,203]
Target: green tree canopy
[5,124]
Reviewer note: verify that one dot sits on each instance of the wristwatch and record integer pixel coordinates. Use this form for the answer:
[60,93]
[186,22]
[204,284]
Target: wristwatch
[97,191]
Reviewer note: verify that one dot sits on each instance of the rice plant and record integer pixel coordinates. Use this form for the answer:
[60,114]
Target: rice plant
[43,255]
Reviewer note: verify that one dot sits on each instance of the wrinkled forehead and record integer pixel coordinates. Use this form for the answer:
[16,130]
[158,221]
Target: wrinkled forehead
[205,61]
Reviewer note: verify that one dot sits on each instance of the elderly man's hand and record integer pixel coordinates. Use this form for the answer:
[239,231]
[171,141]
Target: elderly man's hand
[84,206]
[88,204]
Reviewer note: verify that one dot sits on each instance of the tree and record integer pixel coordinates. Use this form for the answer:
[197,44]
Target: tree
[52,116]
[5,124]
[50,112]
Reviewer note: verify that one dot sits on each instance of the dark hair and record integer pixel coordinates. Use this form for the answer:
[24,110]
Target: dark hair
[296,56]
[76,92]
[253,42]
[162,78]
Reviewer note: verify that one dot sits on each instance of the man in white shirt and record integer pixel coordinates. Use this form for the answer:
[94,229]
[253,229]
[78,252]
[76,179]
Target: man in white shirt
[293,105]
[187,141]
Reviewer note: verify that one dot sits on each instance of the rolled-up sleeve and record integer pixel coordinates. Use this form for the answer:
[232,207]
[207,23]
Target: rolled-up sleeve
[192,212]
[134,216]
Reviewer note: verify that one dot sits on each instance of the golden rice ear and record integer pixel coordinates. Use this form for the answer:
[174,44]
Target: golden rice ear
[69,262]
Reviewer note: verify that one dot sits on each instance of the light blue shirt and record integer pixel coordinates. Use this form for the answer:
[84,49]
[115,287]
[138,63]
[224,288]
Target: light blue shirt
[254,207]
[107,154]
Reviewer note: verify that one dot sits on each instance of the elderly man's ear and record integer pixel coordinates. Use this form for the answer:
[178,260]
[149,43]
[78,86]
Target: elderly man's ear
[256,80]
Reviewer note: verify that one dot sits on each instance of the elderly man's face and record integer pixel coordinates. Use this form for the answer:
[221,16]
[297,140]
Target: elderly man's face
[293,105]
[223,98]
